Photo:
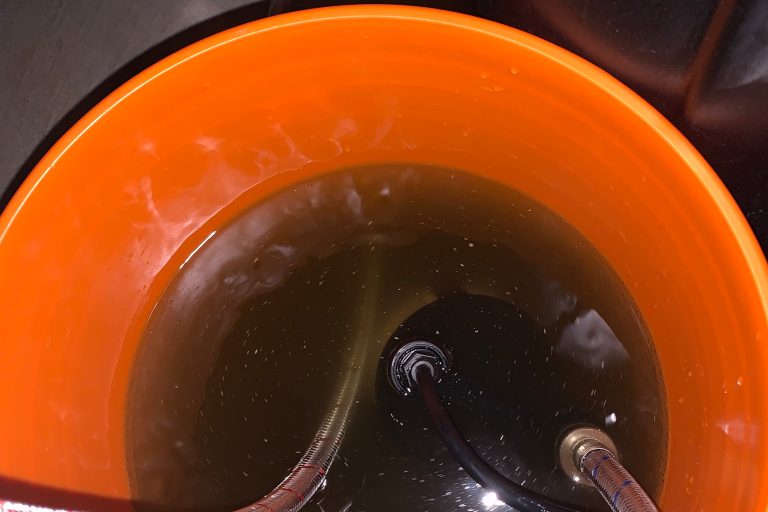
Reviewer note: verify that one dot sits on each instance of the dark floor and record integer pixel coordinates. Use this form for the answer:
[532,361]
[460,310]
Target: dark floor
[57,54]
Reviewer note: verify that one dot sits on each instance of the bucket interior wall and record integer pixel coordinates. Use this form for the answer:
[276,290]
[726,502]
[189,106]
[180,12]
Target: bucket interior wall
[97,232]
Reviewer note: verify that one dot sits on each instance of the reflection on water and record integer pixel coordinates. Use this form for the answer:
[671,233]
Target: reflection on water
[590,342]
[240,358]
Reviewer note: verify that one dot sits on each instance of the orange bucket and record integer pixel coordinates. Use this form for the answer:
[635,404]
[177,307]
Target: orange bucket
[97,231]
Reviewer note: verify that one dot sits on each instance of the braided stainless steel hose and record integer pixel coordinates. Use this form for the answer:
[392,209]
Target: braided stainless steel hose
[589,456]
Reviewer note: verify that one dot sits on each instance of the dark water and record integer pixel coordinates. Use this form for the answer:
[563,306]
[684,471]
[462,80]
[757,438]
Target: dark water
[242,355]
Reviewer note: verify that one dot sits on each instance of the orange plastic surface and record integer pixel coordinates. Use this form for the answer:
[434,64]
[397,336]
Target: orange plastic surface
[99,228]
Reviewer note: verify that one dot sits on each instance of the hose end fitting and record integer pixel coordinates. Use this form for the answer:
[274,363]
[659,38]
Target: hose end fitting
[410,356]
[577,443]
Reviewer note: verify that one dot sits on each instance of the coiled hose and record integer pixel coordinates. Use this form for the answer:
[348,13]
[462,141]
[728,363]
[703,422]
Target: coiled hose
[596,463]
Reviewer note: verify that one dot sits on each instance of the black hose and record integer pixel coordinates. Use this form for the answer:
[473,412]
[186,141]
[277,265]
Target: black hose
[483,473]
